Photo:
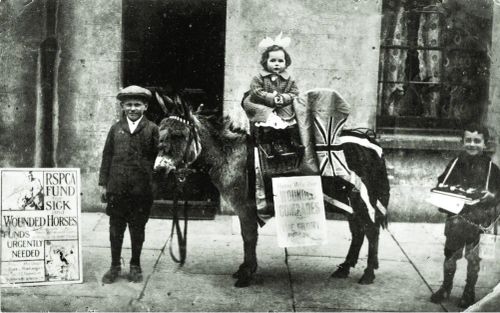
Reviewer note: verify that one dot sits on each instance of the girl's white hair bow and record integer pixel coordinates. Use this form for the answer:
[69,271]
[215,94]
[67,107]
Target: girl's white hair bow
[279,40]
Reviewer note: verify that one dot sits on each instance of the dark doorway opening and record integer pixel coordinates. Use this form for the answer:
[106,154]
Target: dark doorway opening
[179,45]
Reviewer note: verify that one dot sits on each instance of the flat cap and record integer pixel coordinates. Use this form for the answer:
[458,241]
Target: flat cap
[134,91]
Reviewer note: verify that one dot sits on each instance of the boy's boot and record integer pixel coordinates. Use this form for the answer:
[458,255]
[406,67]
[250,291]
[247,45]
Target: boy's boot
[135,274]
[116,231]
[137,240]
[111,275]
[468,297]
[449,268]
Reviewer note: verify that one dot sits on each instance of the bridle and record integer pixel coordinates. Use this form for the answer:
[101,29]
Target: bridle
[181,175]
[193,139]
[181,107]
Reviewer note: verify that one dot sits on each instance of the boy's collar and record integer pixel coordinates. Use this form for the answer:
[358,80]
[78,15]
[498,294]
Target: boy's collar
[124,123]
[283,74]
[133,122]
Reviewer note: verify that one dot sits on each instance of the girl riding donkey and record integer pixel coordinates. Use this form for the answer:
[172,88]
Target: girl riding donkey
[268,105]
[274,107]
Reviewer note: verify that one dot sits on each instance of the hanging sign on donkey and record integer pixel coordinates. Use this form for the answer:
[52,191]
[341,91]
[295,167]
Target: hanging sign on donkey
[40,226]
[300,212]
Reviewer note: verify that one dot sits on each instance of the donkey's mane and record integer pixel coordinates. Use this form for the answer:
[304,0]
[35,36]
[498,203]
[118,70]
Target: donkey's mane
[217,136]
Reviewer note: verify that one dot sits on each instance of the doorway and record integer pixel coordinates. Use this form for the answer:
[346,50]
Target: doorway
[179,45]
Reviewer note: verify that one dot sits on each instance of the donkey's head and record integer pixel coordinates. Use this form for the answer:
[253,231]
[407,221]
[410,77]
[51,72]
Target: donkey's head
[179,143]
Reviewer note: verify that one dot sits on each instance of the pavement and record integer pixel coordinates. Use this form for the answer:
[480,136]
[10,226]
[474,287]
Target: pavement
[292,279]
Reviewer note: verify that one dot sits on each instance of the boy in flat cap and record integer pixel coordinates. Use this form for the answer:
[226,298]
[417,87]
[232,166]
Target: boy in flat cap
[126,178]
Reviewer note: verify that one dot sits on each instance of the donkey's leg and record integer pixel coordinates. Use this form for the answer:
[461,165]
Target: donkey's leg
[244,197]
[358,236]
[372,233]
[249,233]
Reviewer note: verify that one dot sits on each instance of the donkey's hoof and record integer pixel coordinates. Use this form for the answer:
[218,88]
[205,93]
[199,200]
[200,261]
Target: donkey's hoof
[368,277]
[243,271]
[238,273]
[243,282]
[342,271]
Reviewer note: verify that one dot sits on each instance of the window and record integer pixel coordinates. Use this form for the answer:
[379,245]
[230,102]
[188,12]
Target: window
[434,64]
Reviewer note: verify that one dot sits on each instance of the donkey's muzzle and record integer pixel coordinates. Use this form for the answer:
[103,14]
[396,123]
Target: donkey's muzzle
[163,163]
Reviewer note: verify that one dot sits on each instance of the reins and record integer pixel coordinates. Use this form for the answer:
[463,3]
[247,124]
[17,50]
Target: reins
[180,180]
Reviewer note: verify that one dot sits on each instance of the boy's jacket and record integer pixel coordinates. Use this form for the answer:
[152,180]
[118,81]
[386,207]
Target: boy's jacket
[128,159]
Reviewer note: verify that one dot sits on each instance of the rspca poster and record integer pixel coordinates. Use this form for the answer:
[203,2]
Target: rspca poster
[300,211]
[40,226]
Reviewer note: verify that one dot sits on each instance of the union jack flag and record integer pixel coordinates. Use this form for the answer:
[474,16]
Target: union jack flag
[332,161]
[330,154]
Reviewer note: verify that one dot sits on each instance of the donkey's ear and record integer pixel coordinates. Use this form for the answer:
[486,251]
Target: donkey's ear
[161,103]
[167,102]
[188,110]
[182,106]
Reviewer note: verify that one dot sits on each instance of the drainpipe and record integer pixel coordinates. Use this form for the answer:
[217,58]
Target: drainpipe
[48,62]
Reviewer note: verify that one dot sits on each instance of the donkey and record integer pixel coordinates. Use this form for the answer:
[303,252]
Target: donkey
[186,137]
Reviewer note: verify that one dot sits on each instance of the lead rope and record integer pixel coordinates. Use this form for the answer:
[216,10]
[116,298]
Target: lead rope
[181,234]
[479,226]
[482,228]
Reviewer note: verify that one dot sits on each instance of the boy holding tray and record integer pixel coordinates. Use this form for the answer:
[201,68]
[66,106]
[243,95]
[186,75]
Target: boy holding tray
[473,175]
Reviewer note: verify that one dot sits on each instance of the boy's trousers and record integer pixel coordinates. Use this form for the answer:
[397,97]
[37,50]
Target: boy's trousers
[461,235]
[128,210]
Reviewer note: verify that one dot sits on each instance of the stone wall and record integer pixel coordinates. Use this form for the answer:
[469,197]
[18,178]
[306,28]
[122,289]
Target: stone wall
[493,119]
[89,78]
[22,31]
[412,173]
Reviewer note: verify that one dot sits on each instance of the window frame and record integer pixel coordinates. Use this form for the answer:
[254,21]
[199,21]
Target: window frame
[387,124]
